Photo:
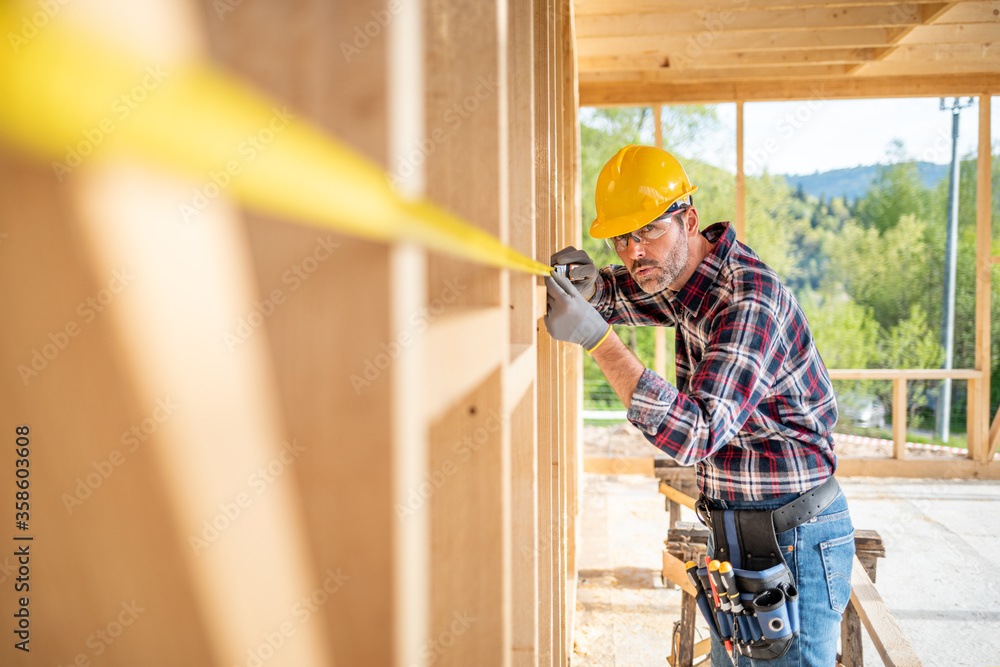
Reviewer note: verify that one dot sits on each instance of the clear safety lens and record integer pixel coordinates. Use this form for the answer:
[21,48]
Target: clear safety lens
[653,230]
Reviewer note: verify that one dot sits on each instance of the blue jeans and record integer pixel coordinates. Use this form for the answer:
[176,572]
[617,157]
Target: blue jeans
[820,554]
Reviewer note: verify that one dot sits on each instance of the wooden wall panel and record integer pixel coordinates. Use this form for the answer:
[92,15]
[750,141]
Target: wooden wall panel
[347,343]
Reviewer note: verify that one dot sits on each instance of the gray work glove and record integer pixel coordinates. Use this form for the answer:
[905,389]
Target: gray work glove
[569,317]
[583,273]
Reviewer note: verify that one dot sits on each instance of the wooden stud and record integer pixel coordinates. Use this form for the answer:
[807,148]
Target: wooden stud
[638,93]
[741,193]
[980,444]
[899,418]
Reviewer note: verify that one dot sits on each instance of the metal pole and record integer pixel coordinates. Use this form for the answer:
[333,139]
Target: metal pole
[943,416]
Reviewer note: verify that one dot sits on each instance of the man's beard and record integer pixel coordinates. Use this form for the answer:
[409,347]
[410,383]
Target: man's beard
[666,272]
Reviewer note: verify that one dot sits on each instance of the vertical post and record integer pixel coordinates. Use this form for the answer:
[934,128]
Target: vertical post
[546,173]
[979,391]
[899,418]
[524,433]
[467,96]
[740,177]
[659,333]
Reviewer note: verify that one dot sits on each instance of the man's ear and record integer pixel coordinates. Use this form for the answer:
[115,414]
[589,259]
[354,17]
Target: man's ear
[691,221]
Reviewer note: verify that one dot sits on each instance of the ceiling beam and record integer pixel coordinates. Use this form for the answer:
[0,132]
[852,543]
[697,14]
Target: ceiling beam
[644,93]
[692,75]
[729,59]
[604,7]
[717,23]
[928,15]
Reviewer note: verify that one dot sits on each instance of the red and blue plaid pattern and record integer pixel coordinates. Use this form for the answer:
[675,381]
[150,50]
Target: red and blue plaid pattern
[753,406]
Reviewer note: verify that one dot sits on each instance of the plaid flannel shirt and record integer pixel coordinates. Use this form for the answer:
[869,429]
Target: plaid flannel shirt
[753,406]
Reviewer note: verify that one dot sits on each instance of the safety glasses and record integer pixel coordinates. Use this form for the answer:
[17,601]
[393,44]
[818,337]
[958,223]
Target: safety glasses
[644,235]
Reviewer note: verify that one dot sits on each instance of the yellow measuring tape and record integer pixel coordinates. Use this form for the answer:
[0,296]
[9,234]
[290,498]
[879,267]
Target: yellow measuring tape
[70,97]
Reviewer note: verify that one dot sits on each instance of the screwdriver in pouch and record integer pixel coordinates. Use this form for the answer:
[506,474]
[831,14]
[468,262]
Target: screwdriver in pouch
[739,611]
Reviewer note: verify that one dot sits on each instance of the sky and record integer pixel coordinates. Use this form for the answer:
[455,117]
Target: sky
[820,135]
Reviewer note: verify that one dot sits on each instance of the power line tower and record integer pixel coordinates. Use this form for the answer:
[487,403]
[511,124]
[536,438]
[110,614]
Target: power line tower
[950,258]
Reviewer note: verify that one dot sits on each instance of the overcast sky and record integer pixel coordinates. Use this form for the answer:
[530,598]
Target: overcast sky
[804,137]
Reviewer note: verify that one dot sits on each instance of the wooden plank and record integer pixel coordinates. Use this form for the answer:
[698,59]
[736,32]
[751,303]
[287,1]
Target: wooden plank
[470,530]
[693,46]
[660,23]
[852,645]
[603,465]
[677,496]
[931,67]
[674,571]
[806,72]
[462,367]
[931,468]
[520,373]
[679,60]
[981,11]
[928,14]
[904,373]
[604,7]
[741,192]
[980,445]
[383,617]
[546,172]
[635,93]
[524,531]
[890,642]
[899,418]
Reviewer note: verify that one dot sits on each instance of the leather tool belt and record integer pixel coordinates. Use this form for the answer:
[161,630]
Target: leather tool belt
[761,616]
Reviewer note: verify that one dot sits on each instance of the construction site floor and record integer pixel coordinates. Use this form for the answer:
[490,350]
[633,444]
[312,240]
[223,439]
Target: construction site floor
[939,576]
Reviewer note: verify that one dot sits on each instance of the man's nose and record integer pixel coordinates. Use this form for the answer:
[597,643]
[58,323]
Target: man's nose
[636,250]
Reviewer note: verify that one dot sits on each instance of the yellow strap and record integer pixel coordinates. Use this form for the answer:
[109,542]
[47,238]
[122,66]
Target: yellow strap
[72,99]
[591,350]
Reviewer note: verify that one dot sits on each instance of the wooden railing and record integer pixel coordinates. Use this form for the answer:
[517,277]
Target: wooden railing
[977,431]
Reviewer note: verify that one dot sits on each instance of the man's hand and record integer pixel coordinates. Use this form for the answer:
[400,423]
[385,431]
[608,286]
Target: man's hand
[570,318]
[583,273]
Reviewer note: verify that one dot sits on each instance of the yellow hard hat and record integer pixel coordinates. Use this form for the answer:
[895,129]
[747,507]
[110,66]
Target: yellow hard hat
[635,187]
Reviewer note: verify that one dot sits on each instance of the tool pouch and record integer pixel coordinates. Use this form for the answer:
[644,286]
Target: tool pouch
[746,538]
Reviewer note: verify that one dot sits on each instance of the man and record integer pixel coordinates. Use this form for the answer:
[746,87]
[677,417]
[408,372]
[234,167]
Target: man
[753,407]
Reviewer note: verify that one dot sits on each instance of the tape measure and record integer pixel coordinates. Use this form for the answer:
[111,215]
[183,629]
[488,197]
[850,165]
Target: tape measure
[71,97]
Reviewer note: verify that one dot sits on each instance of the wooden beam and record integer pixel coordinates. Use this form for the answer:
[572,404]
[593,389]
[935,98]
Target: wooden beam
[890,642]
[979,399]
[676,496]
[928,13]
[659,23]
[904,373]
[674,571]
[931,468]
[899,418]
[741,192]
[725,59]
[806,73]
[467,365]
[887,68]
[638,93]
[622,465]
[604,7]
[696,46]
